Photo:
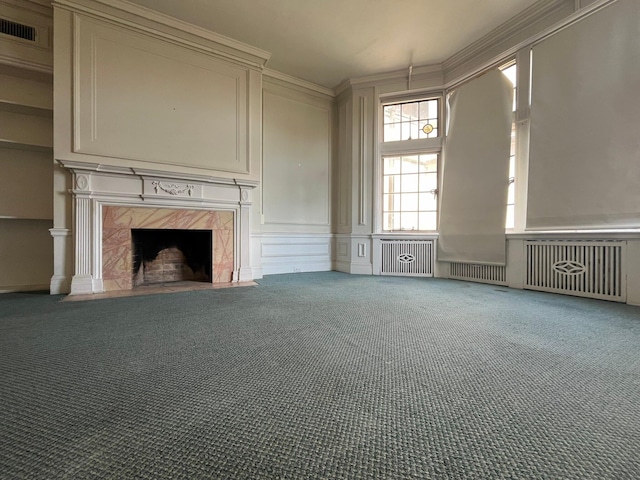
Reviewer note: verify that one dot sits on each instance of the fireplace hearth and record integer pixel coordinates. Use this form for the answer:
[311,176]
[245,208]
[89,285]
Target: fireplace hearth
[171,255]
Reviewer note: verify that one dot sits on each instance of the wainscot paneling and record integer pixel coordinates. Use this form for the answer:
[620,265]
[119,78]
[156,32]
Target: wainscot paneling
[290,253]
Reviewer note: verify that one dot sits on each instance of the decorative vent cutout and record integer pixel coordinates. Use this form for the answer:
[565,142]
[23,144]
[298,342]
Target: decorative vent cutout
[584,268]
[17,30]
[493,274]
[411,258]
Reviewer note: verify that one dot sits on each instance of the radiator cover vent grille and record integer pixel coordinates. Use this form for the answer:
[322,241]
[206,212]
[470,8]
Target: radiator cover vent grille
[493,274]
[411,258]
[594,269]
[18,30]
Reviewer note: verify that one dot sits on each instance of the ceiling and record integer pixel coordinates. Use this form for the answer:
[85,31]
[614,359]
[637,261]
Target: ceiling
[328,41]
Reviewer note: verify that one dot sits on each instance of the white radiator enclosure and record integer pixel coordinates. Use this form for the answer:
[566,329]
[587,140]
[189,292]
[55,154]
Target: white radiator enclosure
[411,258]
[492,274]
[600,265]
[595,269]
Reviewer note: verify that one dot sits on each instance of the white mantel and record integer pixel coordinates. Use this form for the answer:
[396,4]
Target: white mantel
[99,185]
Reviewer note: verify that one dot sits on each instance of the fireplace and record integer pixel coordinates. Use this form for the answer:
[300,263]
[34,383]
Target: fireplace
[171,255]
[173,244]
[110,202]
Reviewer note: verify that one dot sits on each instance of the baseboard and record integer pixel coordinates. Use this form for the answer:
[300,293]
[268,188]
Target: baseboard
[276,269]
[353,268]
[59,285]
[24,288]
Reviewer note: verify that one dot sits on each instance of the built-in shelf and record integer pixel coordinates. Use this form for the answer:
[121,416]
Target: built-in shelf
[25,146]
[25,109]
[34,219]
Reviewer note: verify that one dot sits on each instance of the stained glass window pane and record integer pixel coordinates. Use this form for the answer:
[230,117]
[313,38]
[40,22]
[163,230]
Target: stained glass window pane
[410,111]
[392,113]
[410,120]
[392,132]
[405,132]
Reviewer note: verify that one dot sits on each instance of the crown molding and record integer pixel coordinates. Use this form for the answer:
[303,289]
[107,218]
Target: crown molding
[298,82]
[149,21]
[565,20]
[536,13]
[418,73]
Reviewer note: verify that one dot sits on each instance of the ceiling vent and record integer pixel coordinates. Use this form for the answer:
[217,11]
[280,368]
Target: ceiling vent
[17,30]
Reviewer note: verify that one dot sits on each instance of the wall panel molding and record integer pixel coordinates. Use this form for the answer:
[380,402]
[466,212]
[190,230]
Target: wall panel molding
[152,23]
[194,115]
[294,252]
[297,141]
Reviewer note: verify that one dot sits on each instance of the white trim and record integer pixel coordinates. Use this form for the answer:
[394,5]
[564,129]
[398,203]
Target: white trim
[535,13]
[304,84]
[24,288]
[389,77]
[167,27]
[526,43]
[577,234]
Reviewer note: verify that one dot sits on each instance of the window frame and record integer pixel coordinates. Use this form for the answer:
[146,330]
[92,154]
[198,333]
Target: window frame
[399,148]
[513,179]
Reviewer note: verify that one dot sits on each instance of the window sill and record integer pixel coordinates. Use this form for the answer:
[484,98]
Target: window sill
[393,235]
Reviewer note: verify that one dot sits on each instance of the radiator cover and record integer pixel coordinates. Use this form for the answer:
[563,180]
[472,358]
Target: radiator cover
[410,258]
[594,269]
[493,274]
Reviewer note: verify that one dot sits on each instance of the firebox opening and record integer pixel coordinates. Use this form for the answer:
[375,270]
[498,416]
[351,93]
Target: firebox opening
[168,255]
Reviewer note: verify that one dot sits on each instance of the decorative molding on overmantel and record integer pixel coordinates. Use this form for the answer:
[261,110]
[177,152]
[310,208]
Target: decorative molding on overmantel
[298,82]
[143,173]
[168,28]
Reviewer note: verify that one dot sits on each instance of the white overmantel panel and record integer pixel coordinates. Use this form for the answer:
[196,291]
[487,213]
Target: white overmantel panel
[148,91]
[142,99]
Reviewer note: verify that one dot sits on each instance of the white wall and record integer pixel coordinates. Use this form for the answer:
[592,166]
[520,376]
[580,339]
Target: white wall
[149,93]
[295,230]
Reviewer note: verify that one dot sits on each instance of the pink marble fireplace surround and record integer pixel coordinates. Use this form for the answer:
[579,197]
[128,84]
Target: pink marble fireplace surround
[117,223]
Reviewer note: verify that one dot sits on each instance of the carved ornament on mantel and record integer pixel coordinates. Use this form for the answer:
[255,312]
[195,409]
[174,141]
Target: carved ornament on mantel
[172,188]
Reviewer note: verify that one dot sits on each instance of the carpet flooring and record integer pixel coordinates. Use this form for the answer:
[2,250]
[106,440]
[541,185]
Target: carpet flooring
[321,376]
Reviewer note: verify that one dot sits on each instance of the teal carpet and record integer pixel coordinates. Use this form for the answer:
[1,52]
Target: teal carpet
[321,376]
